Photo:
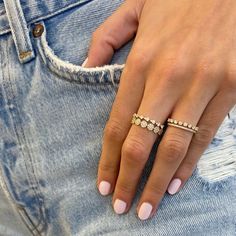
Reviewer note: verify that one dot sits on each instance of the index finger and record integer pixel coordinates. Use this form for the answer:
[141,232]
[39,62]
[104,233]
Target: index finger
[115,131]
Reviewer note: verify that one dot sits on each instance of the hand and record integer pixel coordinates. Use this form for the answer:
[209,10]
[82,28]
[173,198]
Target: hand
[182,65]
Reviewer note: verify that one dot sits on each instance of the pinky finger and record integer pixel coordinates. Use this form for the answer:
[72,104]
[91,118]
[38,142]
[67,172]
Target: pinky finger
[213,116]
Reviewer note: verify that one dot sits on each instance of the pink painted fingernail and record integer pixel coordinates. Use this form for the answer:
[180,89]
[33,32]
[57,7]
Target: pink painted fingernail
[174,186]
[104,187]
[119,206]
[145,211]
[84,63]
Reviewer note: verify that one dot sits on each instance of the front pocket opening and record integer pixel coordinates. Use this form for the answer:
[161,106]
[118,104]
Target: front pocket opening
[102,74]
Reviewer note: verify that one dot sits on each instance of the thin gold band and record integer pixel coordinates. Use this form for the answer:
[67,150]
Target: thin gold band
[182,125]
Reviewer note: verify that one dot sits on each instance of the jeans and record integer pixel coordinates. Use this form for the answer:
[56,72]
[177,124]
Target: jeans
[52,116]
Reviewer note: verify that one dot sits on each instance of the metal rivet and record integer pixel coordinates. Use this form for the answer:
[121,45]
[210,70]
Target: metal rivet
[38,30]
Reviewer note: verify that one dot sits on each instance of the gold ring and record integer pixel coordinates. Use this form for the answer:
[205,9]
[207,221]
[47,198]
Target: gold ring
[146,122]
[182,125]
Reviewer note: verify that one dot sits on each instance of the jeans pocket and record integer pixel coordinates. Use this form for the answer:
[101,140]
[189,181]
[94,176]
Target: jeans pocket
[65,41]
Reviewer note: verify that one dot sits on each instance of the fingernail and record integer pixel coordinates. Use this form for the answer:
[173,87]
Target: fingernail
[174,186]
[119,206]
[84,63]
[145,211]
[104,187]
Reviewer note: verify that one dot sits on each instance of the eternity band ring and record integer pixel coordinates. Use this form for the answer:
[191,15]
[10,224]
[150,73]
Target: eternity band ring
[147,123]
[182,125]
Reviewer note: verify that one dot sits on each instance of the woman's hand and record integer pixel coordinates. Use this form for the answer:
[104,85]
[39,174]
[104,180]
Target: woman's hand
[182,65]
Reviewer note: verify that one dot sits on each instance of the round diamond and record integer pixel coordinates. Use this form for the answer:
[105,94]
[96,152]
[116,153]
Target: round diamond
[176,122]
[144,124]
[185,124]
[180,122]
[146,118]
[137,121]
[150,126]
[156,129]
[189,126]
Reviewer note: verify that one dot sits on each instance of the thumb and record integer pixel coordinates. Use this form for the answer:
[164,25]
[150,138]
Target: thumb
[118,29]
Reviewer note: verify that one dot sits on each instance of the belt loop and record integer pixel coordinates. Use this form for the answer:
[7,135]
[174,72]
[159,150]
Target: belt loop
[20,32]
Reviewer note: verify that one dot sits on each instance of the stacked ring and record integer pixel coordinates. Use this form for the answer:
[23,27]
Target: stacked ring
[146,122]
[182,125]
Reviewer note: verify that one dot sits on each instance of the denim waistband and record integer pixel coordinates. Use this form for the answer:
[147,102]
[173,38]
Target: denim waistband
[35,10]
[15,15]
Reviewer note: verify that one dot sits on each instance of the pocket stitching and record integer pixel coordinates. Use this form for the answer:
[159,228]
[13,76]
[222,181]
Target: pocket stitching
[95,75]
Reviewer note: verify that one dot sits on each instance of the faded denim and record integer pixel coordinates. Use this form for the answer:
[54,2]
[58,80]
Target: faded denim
[52,115]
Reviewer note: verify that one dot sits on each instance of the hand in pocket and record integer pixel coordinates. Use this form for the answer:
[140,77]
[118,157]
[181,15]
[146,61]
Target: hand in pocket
[181,66]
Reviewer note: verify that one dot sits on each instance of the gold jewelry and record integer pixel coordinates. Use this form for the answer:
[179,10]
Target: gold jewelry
[182,125]
[146,122]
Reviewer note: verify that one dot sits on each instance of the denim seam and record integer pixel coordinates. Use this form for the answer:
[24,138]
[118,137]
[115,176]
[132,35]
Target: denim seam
[20,140]
[3,184]
[18,208]
[34,183]
[15,206]
[16,131]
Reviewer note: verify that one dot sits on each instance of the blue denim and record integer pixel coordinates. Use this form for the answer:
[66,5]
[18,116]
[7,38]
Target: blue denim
[52,116]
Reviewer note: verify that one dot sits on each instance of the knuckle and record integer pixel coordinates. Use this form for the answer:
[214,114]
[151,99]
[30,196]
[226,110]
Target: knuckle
[113,131]
[186,170]
[204,68]
[107,167]
[139,59]
[124,187]
[156,190]
[134,150]
[203,137]
[174,149]
[207,71]
[189,167]
[173,69]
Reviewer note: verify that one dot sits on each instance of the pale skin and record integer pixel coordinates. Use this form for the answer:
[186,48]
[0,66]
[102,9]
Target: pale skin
[182,65]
